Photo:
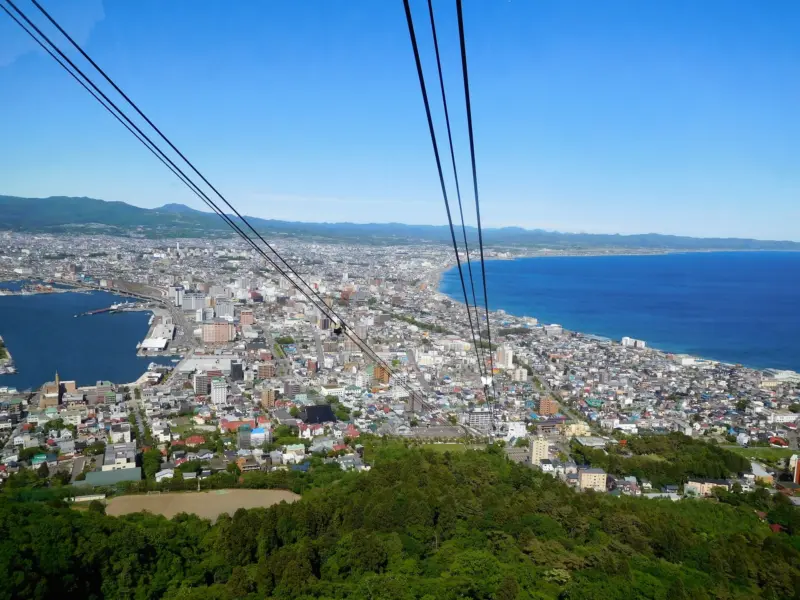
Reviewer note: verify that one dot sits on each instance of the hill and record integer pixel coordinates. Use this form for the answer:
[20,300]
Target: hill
[58,214]
[420,525]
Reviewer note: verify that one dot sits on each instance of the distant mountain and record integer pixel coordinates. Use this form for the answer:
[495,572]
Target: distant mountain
[65,214]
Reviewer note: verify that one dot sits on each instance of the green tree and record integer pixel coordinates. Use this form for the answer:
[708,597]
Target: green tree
[151,463]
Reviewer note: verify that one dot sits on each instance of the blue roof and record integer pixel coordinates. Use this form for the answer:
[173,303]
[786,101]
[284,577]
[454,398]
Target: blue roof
[258,430]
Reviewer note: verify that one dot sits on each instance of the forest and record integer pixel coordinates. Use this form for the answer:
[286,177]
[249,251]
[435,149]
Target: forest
[419,525]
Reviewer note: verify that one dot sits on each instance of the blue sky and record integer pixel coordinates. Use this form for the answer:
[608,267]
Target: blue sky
[674,117]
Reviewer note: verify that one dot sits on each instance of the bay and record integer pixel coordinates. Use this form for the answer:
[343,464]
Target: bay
[43,337]
[737,307]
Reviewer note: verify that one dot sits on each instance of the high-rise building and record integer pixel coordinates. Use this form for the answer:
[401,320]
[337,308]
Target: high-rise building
[381,374]
[548,406]
[480,419]
[219,391]
[504,357]
[268,398]
[291,389]
[193,300]
[266,370]
[202,384]
[539,451]
[223,308]
[243,437]
[218,332]
[246,317]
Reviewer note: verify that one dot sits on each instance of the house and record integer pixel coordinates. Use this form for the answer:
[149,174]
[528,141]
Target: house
[247,463]
[547,466]
[164,474]
[195,440]
[703,487]
[310,431]
[120,433]
[352,462]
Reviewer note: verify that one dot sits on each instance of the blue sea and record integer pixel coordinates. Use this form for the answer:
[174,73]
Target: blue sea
[43,337]
[737,307]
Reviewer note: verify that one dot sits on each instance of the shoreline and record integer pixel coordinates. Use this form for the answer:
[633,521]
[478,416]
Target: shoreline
[438,276]
[83,289]
[7,362]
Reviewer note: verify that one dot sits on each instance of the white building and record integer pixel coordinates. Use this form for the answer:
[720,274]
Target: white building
[539,451]
[780,416]
[480,419]
[119,456]
[504,357]
[219,391]
[223,308]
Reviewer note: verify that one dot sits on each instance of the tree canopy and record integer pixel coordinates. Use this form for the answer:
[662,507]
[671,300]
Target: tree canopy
[420,525]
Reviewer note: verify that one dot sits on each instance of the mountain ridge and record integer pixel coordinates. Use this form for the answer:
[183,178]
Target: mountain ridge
[56,214]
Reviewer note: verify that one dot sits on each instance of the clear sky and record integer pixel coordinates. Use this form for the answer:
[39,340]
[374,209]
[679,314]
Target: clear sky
[632,117]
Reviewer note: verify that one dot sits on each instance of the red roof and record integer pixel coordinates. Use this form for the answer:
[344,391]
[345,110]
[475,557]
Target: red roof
[233,426]
[338,447]
[178,443]
[776,528]
[195,440]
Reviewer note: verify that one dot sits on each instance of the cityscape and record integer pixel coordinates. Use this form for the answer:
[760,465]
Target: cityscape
[252,359]
[417,301]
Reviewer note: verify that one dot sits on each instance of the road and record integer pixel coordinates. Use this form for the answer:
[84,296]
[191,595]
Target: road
[320,351]
[412,360]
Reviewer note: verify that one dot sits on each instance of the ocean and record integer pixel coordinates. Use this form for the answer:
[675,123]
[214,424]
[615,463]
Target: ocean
[43,337]
[736,307]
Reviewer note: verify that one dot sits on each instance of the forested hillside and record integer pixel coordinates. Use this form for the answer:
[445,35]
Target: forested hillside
[419,525]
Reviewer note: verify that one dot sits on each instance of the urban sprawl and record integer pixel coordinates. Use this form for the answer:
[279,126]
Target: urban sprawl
[263,380]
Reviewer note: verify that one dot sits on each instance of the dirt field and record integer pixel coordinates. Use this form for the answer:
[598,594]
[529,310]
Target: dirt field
[208,505]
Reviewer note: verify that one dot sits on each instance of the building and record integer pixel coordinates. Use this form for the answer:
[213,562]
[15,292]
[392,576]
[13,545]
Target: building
[548,406]
[219,391]
[592,479]
[218,332]
[202,384]
[268,398]
[193,300]
[504,357]
[119,456]
[223,308]
[246,317]
[291,389]
[381,374]
[266,370]
[780,416]
[539,451]
[260,436]
[480,419]
[703,487]
[632,343]
[120,433]
[244,438]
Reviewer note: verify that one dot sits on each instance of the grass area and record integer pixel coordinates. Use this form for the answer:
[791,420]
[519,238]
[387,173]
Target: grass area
[279,351]
[763,453]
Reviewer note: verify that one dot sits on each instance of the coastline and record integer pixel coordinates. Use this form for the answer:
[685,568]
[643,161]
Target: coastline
[120,296]
[7,361]
[438,276]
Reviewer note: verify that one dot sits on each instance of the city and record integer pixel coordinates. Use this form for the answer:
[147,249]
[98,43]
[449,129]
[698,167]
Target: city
[260,379]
